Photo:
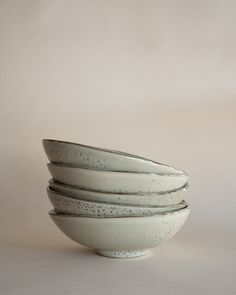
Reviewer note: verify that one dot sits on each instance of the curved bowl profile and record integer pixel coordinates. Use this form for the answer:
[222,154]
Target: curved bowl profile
[151,199]
[116,182]
[66,205]
[124,236]
[85,156]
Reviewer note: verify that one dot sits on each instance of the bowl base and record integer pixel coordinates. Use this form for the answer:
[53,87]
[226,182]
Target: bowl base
[122,253]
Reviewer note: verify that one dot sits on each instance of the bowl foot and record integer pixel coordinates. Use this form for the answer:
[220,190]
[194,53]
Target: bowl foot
[122,253]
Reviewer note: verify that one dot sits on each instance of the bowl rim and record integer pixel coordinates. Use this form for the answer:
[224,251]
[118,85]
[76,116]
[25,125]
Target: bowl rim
[52,164]
[75,187]
[175,212]
[59,194]
[111,151]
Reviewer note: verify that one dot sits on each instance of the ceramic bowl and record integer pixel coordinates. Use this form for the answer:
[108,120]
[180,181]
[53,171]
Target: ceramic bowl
[116,182]
[121,237]
[66,205]
[103,159]
[152,199]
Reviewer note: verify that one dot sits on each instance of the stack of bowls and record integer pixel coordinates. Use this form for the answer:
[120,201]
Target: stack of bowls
[117,203]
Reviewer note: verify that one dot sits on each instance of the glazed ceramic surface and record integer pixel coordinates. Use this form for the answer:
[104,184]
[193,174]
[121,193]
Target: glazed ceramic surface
[67,205]
[121,237]
[151,199]
[116,182]
[102,159]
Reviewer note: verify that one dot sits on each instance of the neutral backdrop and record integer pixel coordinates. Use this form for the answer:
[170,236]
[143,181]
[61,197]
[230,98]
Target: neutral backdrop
[155,78]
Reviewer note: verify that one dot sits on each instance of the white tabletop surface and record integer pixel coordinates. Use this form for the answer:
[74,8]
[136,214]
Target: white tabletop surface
[201,262]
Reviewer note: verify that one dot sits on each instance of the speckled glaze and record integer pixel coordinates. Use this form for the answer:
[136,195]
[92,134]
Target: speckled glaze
[102,159]
[151,199]
[67,205]
[125,236]
[116,182]
[122,253]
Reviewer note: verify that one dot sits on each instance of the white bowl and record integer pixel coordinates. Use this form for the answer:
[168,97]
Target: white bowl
[124,236]
[66,205]
[116,182]
[151,199]
[103,159]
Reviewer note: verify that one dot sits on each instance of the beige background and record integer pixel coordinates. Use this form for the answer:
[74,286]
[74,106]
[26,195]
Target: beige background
[155,78]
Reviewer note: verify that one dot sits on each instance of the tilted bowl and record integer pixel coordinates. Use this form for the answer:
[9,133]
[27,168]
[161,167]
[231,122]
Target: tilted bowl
[103,159]
[116,182]
[67,205]
[124,236]
[151,199]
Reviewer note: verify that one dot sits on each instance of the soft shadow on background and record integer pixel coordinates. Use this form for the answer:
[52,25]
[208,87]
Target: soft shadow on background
[155,78]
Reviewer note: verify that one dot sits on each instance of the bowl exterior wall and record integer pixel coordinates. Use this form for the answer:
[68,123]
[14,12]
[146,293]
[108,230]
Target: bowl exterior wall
[121,233]
[94,158]
[116,182]
[155,199]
